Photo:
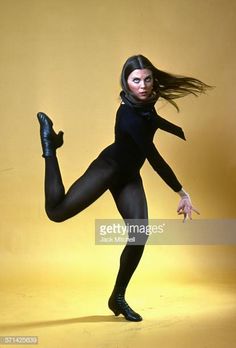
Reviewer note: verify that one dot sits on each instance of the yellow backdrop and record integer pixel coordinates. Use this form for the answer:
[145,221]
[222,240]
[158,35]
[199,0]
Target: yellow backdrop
[64,57]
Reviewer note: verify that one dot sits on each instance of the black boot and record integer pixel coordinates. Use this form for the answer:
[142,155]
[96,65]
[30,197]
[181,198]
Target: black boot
[118,305]
[49,139]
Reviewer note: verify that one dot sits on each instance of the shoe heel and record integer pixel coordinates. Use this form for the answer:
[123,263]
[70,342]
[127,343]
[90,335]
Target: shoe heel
[113,308]
[116,312]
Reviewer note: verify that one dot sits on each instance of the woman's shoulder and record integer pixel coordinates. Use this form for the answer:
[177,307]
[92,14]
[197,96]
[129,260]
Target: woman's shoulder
[127,111]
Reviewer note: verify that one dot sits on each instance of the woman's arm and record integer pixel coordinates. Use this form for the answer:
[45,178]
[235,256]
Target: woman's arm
[166,173]
[162,168]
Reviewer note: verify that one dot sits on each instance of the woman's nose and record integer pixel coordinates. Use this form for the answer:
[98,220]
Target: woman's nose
[142,84]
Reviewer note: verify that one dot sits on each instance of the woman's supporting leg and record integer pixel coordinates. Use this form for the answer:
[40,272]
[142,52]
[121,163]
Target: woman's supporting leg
[91,185]
[131,203]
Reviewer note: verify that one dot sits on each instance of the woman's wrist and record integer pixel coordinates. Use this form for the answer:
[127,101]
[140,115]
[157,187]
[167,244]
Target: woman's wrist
[182,193]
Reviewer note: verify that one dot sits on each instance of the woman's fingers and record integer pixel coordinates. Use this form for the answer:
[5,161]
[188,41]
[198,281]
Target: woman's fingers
[190,214]
[186,208]
[185,217]
[180,206]
[195,210]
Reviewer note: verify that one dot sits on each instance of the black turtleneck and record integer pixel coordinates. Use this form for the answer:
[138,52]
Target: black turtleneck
[134,131]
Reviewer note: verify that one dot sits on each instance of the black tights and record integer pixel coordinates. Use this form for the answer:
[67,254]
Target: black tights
[100,176]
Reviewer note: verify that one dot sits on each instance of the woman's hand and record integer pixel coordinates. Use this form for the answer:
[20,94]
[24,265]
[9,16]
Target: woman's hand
[185,206]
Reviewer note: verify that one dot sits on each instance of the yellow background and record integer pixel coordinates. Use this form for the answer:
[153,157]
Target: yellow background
[64,57]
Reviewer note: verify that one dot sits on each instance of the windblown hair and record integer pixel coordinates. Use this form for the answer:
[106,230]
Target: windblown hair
[165,85]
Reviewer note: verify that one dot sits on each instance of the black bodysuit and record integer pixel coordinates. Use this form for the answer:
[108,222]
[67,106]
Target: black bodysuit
[134,131]
[116,169]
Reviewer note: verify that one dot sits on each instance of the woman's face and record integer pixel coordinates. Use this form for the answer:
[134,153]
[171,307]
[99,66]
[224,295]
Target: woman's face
[140,83]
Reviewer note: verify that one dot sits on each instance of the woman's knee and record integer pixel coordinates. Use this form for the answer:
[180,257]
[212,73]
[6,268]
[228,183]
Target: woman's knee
[54,216]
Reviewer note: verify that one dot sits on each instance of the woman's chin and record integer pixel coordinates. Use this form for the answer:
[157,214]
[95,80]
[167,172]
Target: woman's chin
[143,97]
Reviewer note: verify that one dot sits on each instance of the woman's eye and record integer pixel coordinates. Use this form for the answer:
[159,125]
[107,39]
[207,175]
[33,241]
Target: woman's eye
[148,79]
[136,80]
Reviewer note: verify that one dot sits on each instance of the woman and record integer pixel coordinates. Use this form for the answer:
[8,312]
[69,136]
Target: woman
[117,168]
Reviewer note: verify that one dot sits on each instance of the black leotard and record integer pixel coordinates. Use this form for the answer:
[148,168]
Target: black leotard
[134,131]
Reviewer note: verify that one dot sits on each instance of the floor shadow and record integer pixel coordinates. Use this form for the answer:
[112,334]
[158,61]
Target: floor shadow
[47,323]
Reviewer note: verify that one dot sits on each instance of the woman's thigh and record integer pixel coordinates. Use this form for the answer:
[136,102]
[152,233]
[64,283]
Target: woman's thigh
[131,202]
[130,198]
[85,190]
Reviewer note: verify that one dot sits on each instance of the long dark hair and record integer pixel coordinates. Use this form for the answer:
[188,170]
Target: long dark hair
[165,85]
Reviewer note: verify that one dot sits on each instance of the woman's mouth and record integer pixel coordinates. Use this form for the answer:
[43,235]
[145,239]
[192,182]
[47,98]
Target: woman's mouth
[143,94]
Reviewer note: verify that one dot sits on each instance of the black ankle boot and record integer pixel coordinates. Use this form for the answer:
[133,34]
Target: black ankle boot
[49,139]
[118,305]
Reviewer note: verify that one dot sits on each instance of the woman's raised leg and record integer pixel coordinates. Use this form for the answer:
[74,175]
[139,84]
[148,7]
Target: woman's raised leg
[91,185]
